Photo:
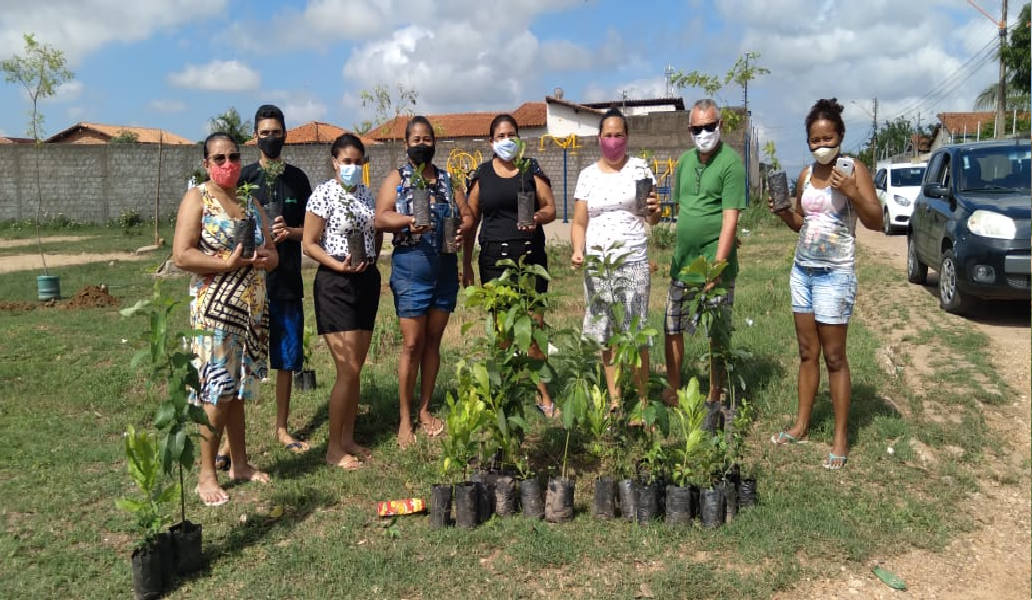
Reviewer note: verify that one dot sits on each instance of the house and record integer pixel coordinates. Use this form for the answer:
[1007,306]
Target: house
[98,133]
[959,127]
[15,140]
[581,119]
[317,132]
[531,117]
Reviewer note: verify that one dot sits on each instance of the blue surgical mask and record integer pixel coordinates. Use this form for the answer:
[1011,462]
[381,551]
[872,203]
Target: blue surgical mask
[505,149]
[351,175]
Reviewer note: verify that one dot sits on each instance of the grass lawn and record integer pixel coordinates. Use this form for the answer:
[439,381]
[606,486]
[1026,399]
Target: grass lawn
[68,394]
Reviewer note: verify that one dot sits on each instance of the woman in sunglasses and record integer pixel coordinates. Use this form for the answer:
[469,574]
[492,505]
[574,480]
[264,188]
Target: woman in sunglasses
[424,276]
[229,302]
[609,228]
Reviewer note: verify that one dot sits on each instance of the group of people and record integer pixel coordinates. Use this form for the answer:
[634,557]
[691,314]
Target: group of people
[252,305]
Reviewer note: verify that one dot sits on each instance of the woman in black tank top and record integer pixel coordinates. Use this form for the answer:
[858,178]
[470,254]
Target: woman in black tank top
[491,197]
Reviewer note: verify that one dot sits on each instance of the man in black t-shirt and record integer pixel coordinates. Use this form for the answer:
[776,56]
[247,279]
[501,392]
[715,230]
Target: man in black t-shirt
[283,188]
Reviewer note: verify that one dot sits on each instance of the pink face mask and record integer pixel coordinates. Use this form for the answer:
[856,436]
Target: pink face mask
[613,148]
[225,175]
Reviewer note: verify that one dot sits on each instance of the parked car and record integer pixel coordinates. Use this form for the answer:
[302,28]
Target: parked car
[898,185]
[971,222]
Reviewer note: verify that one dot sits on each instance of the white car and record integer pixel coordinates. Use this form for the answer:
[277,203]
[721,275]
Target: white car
[898,185]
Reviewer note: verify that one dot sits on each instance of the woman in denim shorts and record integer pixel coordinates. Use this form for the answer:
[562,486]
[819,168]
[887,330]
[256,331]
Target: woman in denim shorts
[823,280]
[424,279]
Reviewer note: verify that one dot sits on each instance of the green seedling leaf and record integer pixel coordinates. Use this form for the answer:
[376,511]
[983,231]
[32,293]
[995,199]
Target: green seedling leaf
[890,579]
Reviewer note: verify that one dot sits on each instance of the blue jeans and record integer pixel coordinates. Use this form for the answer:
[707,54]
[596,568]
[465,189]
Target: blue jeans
[828,294]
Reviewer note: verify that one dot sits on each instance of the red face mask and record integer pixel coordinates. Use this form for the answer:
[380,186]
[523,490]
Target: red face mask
[613,148]
[225,175]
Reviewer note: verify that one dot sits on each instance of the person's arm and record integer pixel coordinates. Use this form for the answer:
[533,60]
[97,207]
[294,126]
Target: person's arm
[387,216]
[859,187]
[185,253]
[473,202]
[546,202]
[793,217]
[654,210]
[465,229]
[312,233]
[578,230]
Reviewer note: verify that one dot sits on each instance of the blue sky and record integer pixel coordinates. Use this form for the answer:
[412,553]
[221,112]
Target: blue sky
[177,63]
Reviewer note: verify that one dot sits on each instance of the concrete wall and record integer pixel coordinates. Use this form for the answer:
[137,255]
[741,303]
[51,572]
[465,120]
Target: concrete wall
[96,183]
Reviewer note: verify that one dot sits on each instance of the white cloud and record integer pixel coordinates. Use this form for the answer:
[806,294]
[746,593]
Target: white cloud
[297,107]
[162,105]
[217,75]
[78,27]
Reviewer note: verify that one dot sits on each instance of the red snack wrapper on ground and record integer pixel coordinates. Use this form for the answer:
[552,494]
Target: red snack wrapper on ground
[408,506]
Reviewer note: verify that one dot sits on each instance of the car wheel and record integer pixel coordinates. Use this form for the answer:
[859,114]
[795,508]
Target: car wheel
[917,272]
[886,223]
[951,299]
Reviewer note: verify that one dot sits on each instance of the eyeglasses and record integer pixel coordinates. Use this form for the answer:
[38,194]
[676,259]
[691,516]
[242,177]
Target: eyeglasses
[221,158]
[710,127]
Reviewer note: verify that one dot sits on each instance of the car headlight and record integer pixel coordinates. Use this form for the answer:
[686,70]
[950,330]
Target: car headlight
[902,200]
[991,225]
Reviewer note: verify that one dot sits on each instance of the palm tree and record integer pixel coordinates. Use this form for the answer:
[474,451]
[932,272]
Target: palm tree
[986,99]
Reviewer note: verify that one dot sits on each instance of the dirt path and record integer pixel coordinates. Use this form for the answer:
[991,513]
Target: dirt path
[993,562]
[25,262]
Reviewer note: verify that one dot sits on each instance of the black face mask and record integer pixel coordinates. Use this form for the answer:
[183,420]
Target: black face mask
[421,155]
[271,146]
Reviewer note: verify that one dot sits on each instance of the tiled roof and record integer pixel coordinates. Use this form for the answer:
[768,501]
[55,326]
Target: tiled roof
[677,103]
[465,125]
[958,122]
[317,132]
[574,105]
[144,135]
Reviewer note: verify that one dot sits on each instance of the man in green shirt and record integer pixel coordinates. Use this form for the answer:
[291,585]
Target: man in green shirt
[709,189]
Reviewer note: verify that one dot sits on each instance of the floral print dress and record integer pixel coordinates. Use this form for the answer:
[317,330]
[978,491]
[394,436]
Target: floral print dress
[233,359]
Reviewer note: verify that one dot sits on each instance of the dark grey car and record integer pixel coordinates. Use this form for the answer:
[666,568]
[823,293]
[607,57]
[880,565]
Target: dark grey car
[972,222]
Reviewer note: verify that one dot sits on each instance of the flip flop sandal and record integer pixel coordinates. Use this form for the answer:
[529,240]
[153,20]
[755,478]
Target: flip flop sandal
[835,462]
[211,503]
[297,446]
[222,462]
[432,428]
[782,438]
[549,411]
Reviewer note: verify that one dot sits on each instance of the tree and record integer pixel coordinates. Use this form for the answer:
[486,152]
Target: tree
[1016,54]
[125,137]
[230,122]
[40,70]
[387,107]
[741,73]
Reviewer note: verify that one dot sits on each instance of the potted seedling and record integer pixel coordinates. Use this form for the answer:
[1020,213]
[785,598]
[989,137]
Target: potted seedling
[526,200]
[305,379]
[559,496]
[355,235]
[713,319]
[244,228]
[173,372]
[467,416]
[777,180]
[689,415]
[643,186]
[152,558]
[420,197]
[270,172]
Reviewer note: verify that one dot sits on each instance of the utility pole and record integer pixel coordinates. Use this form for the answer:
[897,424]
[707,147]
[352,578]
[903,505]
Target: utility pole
[874,142]
[1001,99]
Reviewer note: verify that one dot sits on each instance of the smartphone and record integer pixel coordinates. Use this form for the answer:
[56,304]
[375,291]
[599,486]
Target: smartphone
[844,164]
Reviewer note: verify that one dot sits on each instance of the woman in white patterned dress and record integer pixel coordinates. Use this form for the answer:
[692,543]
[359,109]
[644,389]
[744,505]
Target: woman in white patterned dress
[607,227]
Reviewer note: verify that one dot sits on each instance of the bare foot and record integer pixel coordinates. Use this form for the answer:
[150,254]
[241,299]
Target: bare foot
[357,450]
[292,443]
[405,436]
[211,493]
[247,473]
[431,425]
[348,462]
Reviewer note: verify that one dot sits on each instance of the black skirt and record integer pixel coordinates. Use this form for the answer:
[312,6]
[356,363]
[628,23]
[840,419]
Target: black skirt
[492,252]
[346,301]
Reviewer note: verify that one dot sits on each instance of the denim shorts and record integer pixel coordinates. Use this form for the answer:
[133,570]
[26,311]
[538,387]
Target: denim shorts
[286,328]
[422,279]
[826,293]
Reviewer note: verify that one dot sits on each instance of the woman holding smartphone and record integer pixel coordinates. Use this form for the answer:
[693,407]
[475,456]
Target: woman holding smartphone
[833,192]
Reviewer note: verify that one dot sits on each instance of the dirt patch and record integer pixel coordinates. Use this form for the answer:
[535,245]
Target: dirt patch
[995,560]
[91,296]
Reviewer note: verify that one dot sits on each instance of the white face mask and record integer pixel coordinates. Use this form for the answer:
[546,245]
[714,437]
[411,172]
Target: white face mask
[505,149]
[825,155]
[351,175]
[707,141]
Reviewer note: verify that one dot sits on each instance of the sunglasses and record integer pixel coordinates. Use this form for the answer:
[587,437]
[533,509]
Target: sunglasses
[221,158]
[710,127]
